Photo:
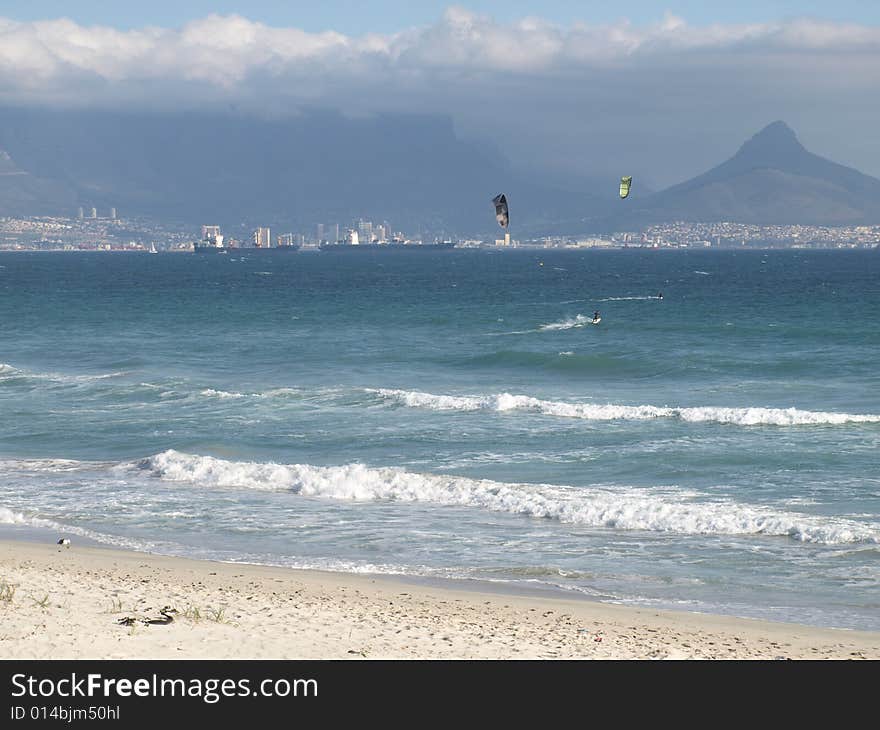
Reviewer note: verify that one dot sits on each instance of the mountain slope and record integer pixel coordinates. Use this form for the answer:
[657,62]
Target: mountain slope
[23,193]
[772,179]
[319,167]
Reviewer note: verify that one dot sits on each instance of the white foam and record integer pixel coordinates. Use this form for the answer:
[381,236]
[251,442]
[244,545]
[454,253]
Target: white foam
[505,402]
[417,399]
[43,465]
[566,324]
[211,393]
[272,393]
[625,299]
[9,517]
[286,392]
[7,370]
[622,508]
[772,416]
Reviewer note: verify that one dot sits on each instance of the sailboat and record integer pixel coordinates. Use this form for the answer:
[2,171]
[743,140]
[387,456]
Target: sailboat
[153,248]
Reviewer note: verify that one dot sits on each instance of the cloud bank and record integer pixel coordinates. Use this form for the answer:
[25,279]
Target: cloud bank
[662,100]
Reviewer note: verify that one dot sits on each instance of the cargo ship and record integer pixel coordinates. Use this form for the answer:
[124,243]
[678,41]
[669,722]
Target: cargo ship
[351,243]
[212,242]
[206,247]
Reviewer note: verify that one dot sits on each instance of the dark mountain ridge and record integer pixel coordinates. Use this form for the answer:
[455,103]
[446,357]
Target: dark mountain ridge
[772,179]
[319,167]
[323,167]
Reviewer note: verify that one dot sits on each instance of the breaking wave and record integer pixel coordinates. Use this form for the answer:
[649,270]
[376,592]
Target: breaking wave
[622,508]
[212,393]
[8,517]
[44,465]
[9,372]
[506,402]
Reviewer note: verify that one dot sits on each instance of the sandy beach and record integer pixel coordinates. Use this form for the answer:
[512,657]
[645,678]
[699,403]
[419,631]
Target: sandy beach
[68,602]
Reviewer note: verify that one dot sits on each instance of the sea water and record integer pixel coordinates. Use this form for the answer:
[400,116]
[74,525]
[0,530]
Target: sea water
[455,414]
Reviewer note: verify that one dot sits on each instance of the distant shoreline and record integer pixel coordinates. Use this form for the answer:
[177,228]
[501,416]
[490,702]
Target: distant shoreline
[498,249]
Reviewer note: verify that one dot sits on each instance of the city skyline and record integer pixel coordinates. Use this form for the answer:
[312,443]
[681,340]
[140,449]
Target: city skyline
[115,234]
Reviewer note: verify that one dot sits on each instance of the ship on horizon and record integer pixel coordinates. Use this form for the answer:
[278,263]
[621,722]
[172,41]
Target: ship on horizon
[352,243]
[212,242]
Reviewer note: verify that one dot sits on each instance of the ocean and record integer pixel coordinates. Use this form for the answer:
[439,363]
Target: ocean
[456,415]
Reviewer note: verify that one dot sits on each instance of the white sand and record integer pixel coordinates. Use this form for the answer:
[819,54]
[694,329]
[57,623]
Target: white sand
[66,604]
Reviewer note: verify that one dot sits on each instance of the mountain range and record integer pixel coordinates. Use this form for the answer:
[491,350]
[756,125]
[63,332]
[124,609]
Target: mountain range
[226,169]
[232,169]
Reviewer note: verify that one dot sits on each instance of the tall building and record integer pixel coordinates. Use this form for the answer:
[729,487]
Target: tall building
[262,238]
[320,232]
[211,235]
[365,231]
[94,213]
[285,239]
[333,235]
[113,213]
[80,213]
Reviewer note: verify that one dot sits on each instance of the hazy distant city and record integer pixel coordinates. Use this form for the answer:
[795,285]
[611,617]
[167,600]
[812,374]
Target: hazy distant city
[772,193]
[104,230]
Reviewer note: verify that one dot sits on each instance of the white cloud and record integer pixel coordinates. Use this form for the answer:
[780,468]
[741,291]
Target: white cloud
[519,81]
[225,50]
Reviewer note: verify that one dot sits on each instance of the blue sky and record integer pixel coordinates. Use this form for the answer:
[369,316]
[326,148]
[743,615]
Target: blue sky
[353,17]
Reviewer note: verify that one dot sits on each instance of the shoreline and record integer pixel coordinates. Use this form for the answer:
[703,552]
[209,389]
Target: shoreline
[66,603]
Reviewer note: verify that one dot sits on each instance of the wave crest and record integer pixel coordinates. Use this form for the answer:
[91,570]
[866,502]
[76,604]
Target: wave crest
[596,506]
[503,402]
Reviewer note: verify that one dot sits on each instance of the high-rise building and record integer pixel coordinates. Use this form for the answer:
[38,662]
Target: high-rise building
[80,213]
[285,239]
[262,238]
[320,233]
[334,233]
[365,231]
[94,213]
[211,235]
[113,213]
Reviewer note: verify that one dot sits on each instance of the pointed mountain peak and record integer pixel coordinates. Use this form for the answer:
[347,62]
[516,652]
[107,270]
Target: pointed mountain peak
[778,130]
[776,143]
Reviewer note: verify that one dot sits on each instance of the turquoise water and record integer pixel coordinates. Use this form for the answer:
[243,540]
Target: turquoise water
[455,414]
